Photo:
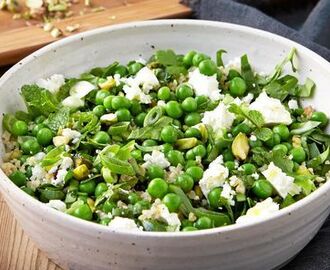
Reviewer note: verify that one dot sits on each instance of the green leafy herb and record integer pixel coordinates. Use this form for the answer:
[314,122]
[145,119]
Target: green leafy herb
[58,119]
[263,134]
[253,116]
[305,127]
[219,57]
[248,75]
[39,101]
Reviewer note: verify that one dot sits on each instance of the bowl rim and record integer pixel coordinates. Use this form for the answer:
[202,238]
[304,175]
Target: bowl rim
[6,184]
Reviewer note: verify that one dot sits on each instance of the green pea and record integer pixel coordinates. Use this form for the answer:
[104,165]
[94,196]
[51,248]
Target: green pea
[189,229]
[140,206]
[102,137]
[228,155]
[190,155]
[100,96]
[183,91]
[214,197]
[30,147]
[134,68]
[237,86]
[18,178]
[164,93]
[83,212]
[169,134]
[121,70]
[202,102]
[155,171]
[198,57]
[274,140]
[172,202]
[281,147]
[137,154]
[208,67]
[157,188]
[288,145]
[19,128]
[139,119]
[119,102]
[107,102]
[87,187]
[149,142]
[189,104]
[199,150]
[100,189]
[99,110]
[133,198]
[298,154]
[37,128]
[230,165]
[173,109]
[44,136]
[136,107]
[192,132]
[255,143]
[192,119]
[190,163]
[185,181]
[108,206]
[283,131]
[195,172]
[203,223]
[167,147]
[320,117]
[39,119]
[262,189]
[249,168]
[123,115]
[188,58]
[175,157]
[233,73]
[242,127]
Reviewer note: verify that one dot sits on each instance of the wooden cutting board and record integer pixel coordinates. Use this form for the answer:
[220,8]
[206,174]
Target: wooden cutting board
[18,39]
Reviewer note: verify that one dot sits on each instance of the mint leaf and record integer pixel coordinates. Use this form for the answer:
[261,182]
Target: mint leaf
[263,134]
[282,161]
[306,89]
[58,119]
[280,88]
[305,127]
[39,101]
[248,75]
[166,57]
[305,182]
[65,89]
[253,116]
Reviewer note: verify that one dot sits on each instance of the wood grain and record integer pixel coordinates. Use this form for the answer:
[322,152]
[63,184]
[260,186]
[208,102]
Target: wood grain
[19,40]
[17,251]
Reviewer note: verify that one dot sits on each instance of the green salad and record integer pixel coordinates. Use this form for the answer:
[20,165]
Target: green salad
[175,143]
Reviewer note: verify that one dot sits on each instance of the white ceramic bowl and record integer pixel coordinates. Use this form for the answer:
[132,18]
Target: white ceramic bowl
[78,244]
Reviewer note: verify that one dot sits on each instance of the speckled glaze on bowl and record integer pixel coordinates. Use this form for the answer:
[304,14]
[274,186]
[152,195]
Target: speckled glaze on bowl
[77,244]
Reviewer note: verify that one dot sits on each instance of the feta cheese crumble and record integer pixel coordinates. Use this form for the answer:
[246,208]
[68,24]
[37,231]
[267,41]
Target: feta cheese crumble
[283,183]
[52,84]
[137,88]
[123,224]
[57,204]
[73,102]
[156,158]
[228,193]
[271,109]
[260,211]
[293,104]
[159,211]
[214,176]
[204,85]
[81,89]
[220,118]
